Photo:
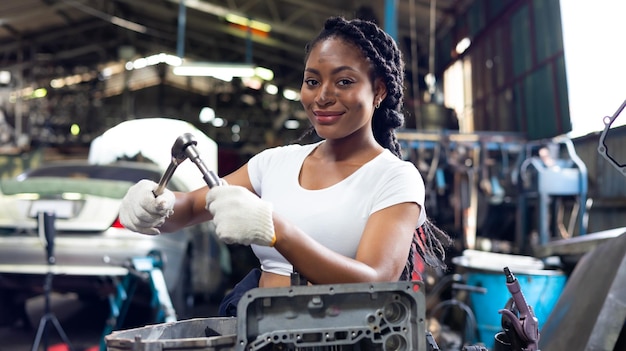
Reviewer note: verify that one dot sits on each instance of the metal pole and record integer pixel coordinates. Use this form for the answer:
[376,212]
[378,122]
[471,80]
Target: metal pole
[182,21]
[19,100]
[391,19]
[432,82]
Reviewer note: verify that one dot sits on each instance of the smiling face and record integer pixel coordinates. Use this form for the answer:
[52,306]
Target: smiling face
[337,91]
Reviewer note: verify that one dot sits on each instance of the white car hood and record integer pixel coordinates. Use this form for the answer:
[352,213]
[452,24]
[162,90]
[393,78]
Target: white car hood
[153,138]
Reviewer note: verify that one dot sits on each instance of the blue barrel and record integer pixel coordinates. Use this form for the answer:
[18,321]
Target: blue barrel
[541,288]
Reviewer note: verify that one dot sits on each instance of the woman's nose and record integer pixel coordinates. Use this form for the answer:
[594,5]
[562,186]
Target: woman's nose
[325,96]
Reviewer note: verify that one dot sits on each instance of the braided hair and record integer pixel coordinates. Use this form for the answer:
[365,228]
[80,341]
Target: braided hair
[429,242]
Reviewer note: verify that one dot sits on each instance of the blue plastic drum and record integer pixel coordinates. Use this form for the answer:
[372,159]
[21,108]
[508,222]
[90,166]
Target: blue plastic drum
[541,288]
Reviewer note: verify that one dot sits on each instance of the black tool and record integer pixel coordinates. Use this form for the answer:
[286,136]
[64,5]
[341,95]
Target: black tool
[45,221]
[185,147]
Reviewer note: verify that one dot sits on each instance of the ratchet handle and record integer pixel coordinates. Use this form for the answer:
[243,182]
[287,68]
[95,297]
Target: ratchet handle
[165,178]
[184,148]
[211,179]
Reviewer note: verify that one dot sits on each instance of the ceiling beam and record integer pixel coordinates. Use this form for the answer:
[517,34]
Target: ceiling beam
[277,26]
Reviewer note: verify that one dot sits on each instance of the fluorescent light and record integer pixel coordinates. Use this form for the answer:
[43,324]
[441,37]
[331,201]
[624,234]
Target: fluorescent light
[246,22]
[264,73]
[152,60]
[223,71]
[5,77]
[214,70]
[462,45]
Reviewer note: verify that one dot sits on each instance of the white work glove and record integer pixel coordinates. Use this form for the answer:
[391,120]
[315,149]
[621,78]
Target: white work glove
[142,212]
[240,216]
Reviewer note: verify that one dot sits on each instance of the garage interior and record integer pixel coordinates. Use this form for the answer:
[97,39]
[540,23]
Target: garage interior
[486,125]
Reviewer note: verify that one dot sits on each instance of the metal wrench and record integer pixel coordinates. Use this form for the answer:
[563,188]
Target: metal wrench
[183,148]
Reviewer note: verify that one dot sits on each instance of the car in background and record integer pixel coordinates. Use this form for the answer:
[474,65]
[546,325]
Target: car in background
[90,244]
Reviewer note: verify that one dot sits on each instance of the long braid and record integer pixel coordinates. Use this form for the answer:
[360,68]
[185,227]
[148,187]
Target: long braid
[429,242]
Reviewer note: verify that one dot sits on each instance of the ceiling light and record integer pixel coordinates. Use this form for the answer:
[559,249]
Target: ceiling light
[462,45]
[264,73]
[291,94]
[207,115]
[218,122]
[214,70]
[57,83]
[74,129]
[5,77]
[246,22]
[152,60]
[292,124]
[223,71]
[271,89]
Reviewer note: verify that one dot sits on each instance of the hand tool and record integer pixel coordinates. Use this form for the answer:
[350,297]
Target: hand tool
[178,156]
[526,326]
[183,148]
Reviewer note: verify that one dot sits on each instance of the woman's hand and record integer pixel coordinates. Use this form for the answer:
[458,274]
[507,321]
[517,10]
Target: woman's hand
[240,217]
[142,212]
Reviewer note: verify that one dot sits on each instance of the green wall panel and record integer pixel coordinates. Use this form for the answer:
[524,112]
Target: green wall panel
[495,7]
[563,105]
[548,29]
[476,18]
[520,41]
[539,105]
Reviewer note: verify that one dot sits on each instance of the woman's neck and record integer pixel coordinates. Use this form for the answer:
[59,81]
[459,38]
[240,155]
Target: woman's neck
[351,150]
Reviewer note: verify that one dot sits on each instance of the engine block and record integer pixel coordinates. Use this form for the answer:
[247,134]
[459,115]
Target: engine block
[361,316]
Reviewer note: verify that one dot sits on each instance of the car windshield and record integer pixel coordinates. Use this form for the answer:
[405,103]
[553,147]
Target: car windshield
[107,181]
[108,172]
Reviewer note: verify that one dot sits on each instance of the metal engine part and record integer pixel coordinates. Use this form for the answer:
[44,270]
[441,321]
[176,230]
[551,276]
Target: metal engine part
[361,316]
[603,148]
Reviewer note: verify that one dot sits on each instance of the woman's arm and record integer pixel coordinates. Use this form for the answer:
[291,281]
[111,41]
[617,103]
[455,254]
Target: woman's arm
[381,254]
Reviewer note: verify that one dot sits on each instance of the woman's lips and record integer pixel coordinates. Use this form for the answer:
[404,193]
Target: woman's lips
[327,117]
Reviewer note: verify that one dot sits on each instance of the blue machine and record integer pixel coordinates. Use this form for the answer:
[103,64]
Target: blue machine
[550,171]
[148,270]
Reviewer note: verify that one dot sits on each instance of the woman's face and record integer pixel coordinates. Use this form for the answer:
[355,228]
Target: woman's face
[337,93]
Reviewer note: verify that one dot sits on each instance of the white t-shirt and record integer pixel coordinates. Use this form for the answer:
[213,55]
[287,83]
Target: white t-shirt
[334,216]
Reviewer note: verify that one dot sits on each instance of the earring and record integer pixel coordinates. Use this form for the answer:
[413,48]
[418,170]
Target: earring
[378,104]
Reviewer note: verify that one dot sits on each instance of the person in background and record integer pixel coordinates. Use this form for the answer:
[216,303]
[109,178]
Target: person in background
[344,209]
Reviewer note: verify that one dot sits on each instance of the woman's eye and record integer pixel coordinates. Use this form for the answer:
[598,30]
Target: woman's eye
[311,82]
[344,82]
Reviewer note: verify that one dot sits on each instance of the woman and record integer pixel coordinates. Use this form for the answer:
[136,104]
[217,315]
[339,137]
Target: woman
[342,210]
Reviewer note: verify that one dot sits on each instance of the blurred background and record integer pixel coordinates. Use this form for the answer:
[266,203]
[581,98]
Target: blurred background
[513,115]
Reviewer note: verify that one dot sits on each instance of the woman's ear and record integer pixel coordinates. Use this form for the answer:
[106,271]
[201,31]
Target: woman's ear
[380,91]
